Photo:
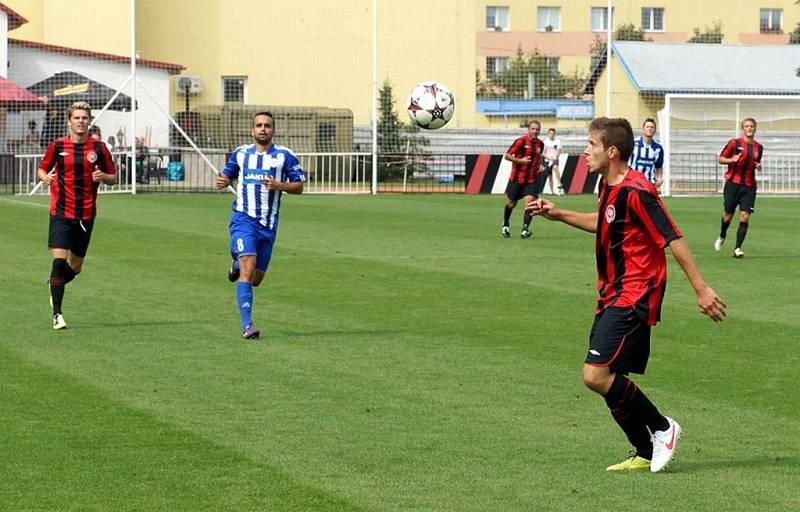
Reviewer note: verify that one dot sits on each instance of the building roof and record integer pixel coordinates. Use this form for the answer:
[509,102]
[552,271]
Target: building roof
[709,68]
[169,67]
[14,19]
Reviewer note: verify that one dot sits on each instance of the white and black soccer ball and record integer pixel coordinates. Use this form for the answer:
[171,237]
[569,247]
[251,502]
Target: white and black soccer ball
[430,105]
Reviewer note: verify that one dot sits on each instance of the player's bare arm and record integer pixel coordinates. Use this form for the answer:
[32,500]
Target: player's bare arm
[511,158]
[291,187]
[45,177]
[708,301]
[222,181]
[98,176]
[732,160]
[547,209]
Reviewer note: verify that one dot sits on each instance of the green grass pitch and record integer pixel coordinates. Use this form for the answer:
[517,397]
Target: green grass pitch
[411,360]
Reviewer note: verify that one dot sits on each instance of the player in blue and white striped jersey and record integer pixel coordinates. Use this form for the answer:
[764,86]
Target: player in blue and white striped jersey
[264,171]
[648,155]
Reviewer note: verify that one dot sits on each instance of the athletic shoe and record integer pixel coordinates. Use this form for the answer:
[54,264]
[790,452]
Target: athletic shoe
[632,463]
[233,274]
[665,442]
[718,244]
[250,332]
[58,322]
[525,233]
[738,253]
[560,190]
[506,232]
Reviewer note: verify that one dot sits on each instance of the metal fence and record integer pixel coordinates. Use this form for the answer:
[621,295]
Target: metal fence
[179,170]
[351,173]
[700,173]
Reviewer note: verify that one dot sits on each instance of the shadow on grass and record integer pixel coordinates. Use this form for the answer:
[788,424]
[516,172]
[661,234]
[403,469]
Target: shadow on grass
[332,332]
[791,462]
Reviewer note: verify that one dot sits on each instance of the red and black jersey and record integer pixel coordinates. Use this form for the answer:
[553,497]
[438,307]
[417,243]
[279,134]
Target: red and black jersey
[73,194]
[633,228]
[521,148]
[742,172]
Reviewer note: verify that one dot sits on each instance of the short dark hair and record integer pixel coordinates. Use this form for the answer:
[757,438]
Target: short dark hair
[551,130]
[615,132]
[264,113]
[94,129]
[649,120]
[534,121]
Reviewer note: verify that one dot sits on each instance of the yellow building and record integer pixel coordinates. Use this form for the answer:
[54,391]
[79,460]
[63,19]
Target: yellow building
[319,52]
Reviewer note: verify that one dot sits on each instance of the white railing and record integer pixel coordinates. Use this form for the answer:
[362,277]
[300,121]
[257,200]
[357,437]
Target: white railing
[699,173]
[329,173]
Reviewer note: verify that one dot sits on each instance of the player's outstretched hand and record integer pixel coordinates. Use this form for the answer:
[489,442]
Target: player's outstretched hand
[222,181]
[711,304]
[543,207]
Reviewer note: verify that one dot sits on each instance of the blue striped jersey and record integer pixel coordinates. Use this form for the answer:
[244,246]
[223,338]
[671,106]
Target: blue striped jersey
[253,197]
[646,159]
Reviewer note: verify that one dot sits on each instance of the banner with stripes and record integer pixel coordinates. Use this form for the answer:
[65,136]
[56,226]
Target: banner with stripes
[488,174]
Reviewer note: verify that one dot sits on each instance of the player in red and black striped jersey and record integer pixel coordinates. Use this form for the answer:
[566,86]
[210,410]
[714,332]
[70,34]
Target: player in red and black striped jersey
[73,168]
[632,229]
[525,155]
[743,158]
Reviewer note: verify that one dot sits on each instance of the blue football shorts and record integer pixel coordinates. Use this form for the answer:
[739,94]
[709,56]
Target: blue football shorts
[249,237]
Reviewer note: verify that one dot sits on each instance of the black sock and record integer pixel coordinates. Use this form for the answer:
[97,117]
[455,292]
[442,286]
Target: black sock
[741,233]
[57,283]
[507,215]
[619,400]
[69,274]
[723,228]
[526,220]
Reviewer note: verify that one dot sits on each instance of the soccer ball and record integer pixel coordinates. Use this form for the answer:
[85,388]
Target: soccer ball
[430,105]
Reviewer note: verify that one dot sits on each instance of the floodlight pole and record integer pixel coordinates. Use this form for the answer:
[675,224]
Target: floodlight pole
[132,136]
[374,96]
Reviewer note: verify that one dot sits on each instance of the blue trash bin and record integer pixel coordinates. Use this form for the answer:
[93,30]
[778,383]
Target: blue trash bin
[175,171]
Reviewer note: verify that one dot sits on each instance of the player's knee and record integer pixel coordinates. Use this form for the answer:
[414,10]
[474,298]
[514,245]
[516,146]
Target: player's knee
[595,380]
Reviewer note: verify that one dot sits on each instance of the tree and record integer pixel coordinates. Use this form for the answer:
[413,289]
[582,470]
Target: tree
[513,82]
[399,144]
[794,35]
[712,35]
[624,32]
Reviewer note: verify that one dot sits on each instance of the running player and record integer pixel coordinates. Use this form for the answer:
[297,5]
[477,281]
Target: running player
[73,168]
[264,171]
[525,157]
[743,158]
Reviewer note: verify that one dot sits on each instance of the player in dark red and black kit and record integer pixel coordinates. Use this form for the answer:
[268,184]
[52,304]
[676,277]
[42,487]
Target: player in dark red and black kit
[743,158]
[525,154]
[633,228]
[73,168]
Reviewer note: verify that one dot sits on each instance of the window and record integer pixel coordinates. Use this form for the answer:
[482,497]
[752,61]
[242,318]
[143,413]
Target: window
[600,19]
[234,89]
[771,21]
[495,66]
[497,19]
[549,19]
[553,63]
[653,19]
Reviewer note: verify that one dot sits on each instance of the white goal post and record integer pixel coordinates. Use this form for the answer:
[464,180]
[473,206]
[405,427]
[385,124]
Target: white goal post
[695,127]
